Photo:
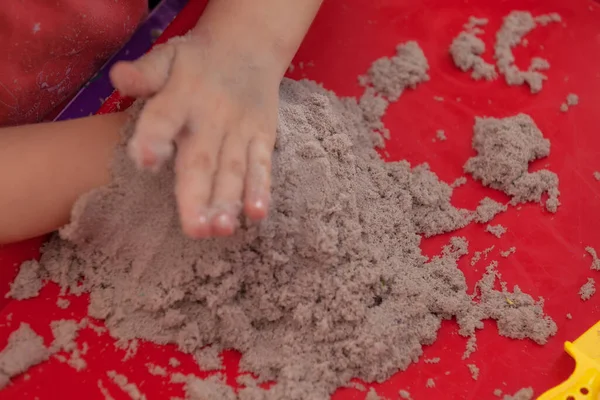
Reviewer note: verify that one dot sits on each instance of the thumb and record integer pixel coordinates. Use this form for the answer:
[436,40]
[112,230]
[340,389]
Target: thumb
[146,75]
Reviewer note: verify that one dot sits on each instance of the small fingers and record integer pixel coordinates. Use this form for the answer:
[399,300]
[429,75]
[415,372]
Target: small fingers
[145,76]
[195,168]
[161,120]
[228,185]
[258,178]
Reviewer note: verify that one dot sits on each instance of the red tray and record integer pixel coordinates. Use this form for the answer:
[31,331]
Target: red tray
[550,262]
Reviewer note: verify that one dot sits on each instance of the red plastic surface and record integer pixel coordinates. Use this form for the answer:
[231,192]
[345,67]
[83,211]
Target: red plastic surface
[550,262]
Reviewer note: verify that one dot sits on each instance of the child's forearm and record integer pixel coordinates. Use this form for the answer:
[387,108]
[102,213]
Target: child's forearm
[44,168]
[272,27]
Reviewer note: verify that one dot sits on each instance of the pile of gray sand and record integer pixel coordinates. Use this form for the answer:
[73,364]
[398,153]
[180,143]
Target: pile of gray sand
[331,286]
[505,147]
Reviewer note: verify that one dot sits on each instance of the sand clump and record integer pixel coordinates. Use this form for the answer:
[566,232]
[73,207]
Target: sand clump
[331,286]
[27,283]
[588,289]
[466,50]
[521,394]
[496,230]
[595,260]
[515,26]
[505,147]
[474,370]
[123,383]
[25,349]
[572,100]
[487,210]
[389,76]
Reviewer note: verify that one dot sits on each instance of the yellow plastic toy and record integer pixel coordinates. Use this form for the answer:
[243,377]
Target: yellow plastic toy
[584,382]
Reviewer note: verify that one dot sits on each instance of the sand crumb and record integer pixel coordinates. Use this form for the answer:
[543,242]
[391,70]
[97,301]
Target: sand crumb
[458,182]
[130,346]
[156,370]
[517,314]
[488,250]
[487,210]
[209,358]
[572,99]
[474,369]
[496,230]
[24,349]
[434,360]
[508,252]
[498,392]
[76,362]
[569,316]
[404,394]
[476,257]
[65,333]
[440,134]
[475,22]
[391,75]
[173,362]
[466,50]
[595,260]
[104,391]
[470,347]
[430,383]
[505,147]
[356,385]
[62,303]
[597,175]
[123,383]
[27,283]
[514,27]
[372,395]
[522,394]
[438,98]
[588,289]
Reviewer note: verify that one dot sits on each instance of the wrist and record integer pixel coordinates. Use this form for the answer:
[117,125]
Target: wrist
[264,32]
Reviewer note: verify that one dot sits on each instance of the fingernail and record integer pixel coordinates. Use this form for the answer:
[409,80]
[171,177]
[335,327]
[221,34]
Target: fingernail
[224,224]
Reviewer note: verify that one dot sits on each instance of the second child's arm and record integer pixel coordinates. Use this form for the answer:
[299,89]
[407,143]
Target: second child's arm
[44,168]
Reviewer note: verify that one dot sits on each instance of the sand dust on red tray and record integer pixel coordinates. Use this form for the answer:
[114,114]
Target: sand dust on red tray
[332,286]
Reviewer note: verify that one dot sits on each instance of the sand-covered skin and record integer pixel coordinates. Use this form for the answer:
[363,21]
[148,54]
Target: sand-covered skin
[505,147]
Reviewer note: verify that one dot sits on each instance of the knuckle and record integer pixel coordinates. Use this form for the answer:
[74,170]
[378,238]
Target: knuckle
[200,161]
[235,166]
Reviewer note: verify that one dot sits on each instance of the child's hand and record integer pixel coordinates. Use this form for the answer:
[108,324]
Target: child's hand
[214,96]
[219,106]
